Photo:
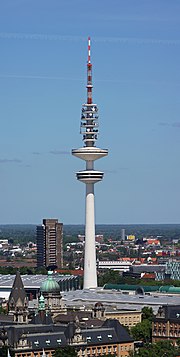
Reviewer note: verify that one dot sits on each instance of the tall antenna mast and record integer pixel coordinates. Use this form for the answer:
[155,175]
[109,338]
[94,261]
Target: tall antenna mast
[89,74]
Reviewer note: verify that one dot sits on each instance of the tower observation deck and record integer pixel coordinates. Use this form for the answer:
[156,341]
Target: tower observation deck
[89,128]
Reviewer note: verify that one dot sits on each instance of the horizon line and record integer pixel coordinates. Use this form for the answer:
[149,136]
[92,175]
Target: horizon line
[83,224]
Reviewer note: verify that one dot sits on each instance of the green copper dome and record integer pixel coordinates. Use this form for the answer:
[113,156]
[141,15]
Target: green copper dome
[50,285]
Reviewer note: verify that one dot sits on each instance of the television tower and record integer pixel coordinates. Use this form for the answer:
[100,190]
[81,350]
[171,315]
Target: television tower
[89,152]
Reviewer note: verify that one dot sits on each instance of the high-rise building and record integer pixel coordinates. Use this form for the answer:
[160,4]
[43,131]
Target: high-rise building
[89,153]
[123,234]
[50,244]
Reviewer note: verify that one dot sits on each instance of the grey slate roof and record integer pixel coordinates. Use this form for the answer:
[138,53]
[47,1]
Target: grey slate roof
[54,336]
[16,331]
[100,336]
[121,332]
[111,332]
[42,318]
[85,318]
[44,340]
[170,313]
[18,294]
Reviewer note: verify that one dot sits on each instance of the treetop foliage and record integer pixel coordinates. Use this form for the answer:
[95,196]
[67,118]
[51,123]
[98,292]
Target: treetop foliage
[158,349]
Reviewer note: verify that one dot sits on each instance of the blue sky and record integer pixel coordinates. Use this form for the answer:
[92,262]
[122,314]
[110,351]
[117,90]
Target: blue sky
[136,76]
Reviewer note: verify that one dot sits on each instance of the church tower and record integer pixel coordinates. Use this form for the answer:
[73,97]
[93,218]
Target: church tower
[18,301]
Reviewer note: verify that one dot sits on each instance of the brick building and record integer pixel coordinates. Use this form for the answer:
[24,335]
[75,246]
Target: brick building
[166,324]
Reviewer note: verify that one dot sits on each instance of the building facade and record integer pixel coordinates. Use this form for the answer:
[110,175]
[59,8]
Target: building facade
[170,271]
[50,244]
[166,324]
[127,318]
[34,339]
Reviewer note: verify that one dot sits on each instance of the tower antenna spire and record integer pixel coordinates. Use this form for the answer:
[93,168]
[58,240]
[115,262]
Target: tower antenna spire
[89,50]
[89,74]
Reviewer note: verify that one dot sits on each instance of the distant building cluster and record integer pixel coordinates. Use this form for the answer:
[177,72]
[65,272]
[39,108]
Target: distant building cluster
[99,238]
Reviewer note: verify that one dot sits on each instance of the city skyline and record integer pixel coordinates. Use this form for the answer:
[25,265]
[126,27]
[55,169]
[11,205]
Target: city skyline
[135,53]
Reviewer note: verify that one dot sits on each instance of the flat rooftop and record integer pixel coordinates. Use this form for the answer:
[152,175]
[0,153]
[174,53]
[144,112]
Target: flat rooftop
[87,298]
[31,281]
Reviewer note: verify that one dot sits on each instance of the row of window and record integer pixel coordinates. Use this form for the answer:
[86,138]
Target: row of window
[34,354]
[48,342]
[88,351]
[130,318]
[99,338]
[163,333]
[99,350]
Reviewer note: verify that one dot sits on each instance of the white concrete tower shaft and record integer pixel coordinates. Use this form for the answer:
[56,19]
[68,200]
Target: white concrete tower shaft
[89,152]
[90,273]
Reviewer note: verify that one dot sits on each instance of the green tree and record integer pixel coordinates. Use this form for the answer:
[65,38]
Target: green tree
[142,331]
[40,270]
[147,313]
[4,352]
[110,276]
[2,310]
[68,351]
[158,349]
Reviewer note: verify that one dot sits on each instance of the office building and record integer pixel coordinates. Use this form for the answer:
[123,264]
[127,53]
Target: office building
[50,244]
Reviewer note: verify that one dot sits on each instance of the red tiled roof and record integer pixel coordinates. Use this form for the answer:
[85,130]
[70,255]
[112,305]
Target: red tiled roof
[73,272]
[149,276]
